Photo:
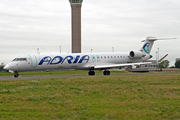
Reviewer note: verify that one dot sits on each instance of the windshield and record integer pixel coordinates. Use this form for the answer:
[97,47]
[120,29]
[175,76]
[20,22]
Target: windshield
[20,59]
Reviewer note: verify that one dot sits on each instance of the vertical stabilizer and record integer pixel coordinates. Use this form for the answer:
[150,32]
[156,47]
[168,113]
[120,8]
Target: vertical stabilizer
[148,43]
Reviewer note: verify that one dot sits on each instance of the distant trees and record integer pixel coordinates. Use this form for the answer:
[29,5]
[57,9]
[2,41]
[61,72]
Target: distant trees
[138,66]
[164,64]
[177,64]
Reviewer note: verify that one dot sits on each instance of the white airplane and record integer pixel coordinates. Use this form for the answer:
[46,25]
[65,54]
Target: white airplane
[83,61]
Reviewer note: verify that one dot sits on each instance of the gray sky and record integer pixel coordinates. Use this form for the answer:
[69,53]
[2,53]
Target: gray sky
[26,25]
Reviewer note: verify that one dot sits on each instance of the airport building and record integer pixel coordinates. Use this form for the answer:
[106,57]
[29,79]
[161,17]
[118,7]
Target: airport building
[1,67]
[153,65]
[76,25]
[177,59]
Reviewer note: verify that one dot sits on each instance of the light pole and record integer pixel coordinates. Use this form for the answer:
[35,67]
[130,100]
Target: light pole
[156,61]
[60,48]
[158,58]
[158,54]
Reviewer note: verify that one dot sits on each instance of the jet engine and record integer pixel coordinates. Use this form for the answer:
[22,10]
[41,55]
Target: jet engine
[136,54]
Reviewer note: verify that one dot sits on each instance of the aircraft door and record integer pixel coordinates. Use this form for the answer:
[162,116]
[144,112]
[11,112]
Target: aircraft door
[17,66]
[33,61]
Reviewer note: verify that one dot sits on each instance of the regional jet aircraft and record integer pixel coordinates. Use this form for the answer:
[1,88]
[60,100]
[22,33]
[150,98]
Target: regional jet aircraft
[82,61]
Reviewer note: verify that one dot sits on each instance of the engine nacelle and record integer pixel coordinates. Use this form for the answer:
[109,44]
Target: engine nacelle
[136,54]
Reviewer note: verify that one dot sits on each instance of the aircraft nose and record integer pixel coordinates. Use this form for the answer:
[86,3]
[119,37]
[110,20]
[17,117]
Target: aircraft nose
[6,67]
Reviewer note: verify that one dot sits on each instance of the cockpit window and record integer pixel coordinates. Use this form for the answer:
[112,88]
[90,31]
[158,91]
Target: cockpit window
[23,59]
[16,59]
[20,59]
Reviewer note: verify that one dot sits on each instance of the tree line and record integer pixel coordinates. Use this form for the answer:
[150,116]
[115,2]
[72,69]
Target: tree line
[165,64]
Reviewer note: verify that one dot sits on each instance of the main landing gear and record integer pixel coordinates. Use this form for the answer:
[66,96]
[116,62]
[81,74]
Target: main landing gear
[106,72]
[92,73]
[16,74]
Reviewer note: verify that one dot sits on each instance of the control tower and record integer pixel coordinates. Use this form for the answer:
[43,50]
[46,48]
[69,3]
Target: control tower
[76,25]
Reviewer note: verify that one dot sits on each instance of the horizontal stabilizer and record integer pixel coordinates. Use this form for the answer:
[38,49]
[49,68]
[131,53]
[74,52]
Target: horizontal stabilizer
[154,39]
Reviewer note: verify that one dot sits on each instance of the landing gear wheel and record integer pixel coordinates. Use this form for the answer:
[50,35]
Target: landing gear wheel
[106,72]
[91,73]
[16,75]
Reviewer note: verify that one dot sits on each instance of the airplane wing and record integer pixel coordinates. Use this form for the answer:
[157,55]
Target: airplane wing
[119,65]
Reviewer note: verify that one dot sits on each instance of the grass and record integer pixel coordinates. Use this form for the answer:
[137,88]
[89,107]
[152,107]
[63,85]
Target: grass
[76,73]
[106,98]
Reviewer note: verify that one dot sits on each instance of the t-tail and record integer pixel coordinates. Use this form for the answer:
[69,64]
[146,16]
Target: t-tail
[148,43]
[146,48]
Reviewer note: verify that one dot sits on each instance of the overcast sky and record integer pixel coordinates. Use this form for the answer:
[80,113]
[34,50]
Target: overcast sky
[26,25]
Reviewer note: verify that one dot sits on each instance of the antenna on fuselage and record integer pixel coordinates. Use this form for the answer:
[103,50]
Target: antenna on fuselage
[38,51]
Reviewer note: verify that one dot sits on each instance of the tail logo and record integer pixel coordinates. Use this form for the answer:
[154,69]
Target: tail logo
[146,48]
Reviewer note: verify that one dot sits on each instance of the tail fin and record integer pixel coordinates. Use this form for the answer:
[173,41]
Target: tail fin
[148,43]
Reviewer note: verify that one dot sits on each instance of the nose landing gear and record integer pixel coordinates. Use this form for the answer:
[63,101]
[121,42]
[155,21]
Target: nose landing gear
[16,74]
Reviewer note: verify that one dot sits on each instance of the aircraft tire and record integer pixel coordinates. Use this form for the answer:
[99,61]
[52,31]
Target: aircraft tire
[91,73]
[106,72]
[16,75]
